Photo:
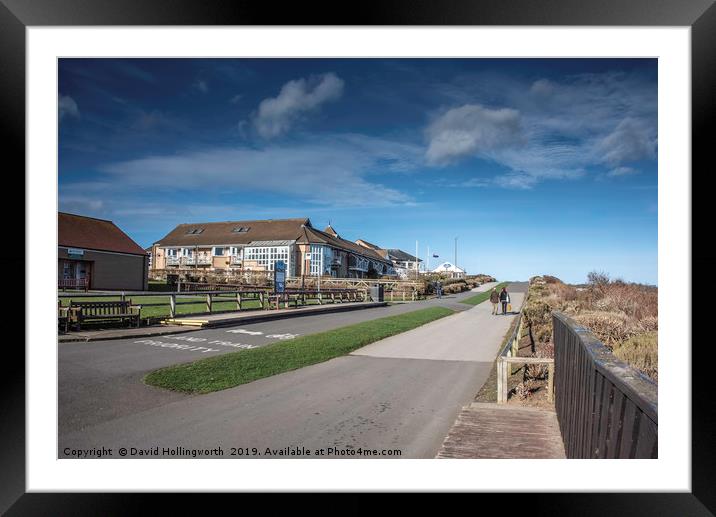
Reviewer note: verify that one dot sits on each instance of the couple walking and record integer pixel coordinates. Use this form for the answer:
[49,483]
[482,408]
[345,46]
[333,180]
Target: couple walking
[503,296]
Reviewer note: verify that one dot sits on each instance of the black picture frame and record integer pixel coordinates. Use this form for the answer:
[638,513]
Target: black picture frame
[700,15]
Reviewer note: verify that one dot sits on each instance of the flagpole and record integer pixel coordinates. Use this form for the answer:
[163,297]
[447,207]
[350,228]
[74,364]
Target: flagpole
[416,261]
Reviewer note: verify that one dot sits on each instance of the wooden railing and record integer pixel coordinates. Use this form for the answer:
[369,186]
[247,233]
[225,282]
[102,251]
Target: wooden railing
[508,356]
[605,408]
[234,296]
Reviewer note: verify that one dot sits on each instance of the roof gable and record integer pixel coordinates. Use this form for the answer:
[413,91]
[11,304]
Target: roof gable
[78,231]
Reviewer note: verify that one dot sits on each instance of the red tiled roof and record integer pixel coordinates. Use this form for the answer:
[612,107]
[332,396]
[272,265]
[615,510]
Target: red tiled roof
[77,231]
[222,233]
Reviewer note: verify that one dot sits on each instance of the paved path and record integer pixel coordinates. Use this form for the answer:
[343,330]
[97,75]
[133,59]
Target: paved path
[392,394]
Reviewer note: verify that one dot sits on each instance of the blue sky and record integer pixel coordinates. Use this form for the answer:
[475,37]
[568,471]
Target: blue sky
[537,166]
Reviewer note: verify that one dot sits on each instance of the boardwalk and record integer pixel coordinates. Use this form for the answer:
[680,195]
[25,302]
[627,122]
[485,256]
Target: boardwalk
[502,431]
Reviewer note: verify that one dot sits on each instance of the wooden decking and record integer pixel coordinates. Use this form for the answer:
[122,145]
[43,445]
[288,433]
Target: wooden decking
[503,431]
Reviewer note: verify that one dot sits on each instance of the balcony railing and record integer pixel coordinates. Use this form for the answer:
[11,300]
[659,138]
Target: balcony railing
[188,261]
[235,260]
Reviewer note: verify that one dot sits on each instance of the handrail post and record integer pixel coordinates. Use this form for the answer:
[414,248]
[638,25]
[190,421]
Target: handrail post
[172,305]
[498,371]
[208,302]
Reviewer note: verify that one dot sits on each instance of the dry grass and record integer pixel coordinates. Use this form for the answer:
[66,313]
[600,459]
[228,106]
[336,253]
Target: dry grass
[624,316]
[641,351]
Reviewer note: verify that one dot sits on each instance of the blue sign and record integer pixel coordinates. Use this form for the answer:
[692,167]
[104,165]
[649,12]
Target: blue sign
[279,276]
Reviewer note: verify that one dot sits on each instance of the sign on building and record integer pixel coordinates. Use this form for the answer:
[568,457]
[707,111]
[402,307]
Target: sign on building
[75,252]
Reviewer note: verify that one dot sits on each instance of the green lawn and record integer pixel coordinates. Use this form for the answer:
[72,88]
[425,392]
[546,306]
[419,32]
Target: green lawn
[481,297]
[235,368]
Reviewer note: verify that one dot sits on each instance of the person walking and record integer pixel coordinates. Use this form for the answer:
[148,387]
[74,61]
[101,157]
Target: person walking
[494,299]
[505,299]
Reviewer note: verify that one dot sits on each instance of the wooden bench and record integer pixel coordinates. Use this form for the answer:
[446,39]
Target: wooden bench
[120,310]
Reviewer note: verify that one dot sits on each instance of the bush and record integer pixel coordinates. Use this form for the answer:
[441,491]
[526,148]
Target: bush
[620,314]
[641,351]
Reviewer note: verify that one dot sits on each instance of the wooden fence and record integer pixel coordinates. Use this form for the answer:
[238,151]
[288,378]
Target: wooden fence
[508,356]
[605,408]
[236,296]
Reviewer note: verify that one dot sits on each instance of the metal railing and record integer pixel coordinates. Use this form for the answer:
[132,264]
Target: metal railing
[605,408]
[73,283]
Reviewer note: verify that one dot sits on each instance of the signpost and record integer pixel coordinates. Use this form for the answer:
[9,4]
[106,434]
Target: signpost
[279,277]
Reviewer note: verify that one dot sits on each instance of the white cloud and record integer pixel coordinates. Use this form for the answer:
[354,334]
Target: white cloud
[236,98]
[471,130]
[622,171]
[630,141]
[542,87]
[566,127]
[516,181]
[202,86]
[276,115]
[328,172]
[68,106]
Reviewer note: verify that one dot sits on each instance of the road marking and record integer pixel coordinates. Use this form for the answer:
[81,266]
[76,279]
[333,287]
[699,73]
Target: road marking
[177,346]
[259,333]
[244,331]
[234,345]
[192,339]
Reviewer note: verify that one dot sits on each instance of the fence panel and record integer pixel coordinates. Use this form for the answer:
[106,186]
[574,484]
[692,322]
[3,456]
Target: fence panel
[605,408]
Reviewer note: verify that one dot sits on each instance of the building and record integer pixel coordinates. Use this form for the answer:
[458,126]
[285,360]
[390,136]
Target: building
[404,264]
[96,254]
[449,270]
[257,245]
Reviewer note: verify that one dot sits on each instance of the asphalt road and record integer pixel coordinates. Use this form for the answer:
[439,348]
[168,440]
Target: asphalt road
[378,399]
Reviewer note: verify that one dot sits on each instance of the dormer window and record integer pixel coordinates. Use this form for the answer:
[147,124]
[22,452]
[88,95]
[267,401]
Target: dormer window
[241,229]
[194,231]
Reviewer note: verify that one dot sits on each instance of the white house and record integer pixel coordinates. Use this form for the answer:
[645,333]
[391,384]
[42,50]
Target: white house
[450,270]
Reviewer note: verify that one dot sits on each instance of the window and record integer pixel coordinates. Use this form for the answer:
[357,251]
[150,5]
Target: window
[171,252]
[241,229]
[194,231]
[267,256]
[218,252]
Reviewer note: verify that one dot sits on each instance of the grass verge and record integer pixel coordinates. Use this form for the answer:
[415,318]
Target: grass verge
[481,297]
[235,368]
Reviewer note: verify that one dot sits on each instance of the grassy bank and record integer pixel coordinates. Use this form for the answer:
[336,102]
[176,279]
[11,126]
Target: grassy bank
[481,297]
[235,368]
[623,316]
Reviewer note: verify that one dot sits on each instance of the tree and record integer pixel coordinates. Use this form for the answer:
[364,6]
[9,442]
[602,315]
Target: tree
[597,278]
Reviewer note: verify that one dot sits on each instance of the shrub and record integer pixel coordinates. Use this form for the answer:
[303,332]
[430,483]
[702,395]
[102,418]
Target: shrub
[597,278]
[525,389]
[610,327]
[641,351]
